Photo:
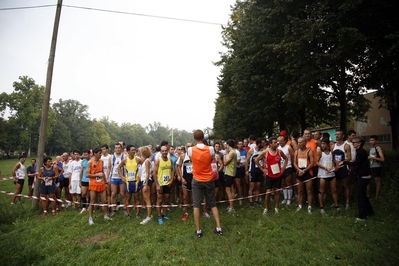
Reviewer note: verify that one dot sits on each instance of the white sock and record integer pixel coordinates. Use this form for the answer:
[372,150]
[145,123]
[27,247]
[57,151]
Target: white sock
[285,192]
[289,191]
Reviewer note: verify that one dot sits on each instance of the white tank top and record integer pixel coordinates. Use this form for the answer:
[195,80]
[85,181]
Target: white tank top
[327,161]
[115,161]
[353,150]
[287,153]
[105,160]
[143,170]
[20,172]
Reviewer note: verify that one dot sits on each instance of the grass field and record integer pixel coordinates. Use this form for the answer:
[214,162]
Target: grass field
[287,238]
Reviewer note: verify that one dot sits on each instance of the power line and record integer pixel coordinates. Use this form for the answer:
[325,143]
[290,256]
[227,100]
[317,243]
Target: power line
[114,11]
[143,15]
[24,7]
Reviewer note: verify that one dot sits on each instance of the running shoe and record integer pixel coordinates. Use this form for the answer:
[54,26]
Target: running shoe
[165,217]
[347,206]
[206,215]
[107,218]
[309,209]
[218,232]
[265,212]
[82,211]
[160,221]
[275,210]
[284,201]
[322,211]
[146,220]
[298,208]
[91,221]
[185,217]
[288,202]
[198,233]
[44,213]
[230,210]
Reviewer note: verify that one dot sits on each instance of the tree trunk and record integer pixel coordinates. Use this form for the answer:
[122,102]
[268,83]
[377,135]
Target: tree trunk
[395,127]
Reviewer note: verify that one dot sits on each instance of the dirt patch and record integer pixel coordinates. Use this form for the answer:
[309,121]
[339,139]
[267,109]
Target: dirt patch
[97,239]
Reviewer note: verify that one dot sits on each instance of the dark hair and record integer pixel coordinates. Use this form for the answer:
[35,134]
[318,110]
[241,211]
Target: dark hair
[271,139]
[374,137]
[258,141]
[105,146]
[129,146]
[252,137]
[96,150]
[231,143]
[46,159]
[158,148]
[326,135]
[76,151]
[164,143]
[21,156]
[339,129]
[350,132]
[295,134]
[325,140]
[85,151]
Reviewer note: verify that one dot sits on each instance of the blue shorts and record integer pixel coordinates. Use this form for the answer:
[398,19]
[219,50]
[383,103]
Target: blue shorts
[46,190]
[133,186]
[117,181]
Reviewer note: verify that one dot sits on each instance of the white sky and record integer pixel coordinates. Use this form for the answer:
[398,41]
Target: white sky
[130,68]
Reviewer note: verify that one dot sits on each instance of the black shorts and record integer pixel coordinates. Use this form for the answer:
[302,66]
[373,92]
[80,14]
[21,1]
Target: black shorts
[273,182]
[164,190]
[85,184]
[305,177]
[240,172]
[217,183]
[328,179]
[228,180]
[221,177]
[342,173]
[315,170]
[256,177]
[30,180]
[189,179]
[287,172]
[376,171]
[20,181]
[64,182]
[46,190]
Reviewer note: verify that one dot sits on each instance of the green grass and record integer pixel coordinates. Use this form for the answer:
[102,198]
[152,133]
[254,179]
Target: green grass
[287,238]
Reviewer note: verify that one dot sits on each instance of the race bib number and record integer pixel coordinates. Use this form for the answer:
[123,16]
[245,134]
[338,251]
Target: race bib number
[275,168]
[328,165]
[214,167]
[99,179]
[166,178]
[302,162]
[48,181]
[189,169]
[338,158]
[131,176]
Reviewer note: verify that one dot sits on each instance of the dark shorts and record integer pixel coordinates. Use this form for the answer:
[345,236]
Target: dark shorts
[328,179]
[217,183]
[203,188]
[240,172]
[256,177]
[228,180]
[164,190]
[30,180]
[273,182]
[305,177]
[46,190]
[85,184]
[64,182]
[221,177]
[20,181]
[315,170]
[342,173]
[287,172]
[187,186]
[133,186]
[376,171]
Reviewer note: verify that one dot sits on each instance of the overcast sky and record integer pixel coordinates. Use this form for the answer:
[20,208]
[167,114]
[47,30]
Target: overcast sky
[131,68]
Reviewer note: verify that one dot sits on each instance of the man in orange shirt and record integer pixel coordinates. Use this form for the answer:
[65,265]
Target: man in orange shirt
[203,183]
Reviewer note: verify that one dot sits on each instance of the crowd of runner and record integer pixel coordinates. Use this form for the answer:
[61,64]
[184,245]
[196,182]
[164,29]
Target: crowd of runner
[302,168]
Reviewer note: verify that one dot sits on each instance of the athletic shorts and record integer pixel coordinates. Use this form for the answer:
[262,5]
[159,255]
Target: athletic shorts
[75,188]
[20,181]
[221,177]
[256,177]
[85,184]
[64,182]
[203,188]
[305,177]
[46,190]
[150,182]
[133,186]
[117,181]
[217,183]
[30,180]
[342,173]
[273,182]
[164,190]
[97,186]
[315,170]
[189,179]
[376,171]
[240,172]
[328,179]
[287,172]
[228,180]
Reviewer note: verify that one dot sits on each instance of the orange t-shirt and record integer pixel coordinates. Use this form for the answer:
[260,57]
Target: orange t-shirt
[202,159]
[311,144]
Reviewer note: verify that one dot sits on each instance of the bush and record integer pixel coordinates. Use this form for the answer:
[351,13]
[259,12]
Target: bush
[390,176]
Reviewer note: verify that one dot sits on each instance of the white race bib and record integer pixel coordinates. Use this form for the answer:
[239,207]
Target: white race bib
[189,169]
[302,162]
[328,165]
[131,176]
[275,168]
[166,178]
[99,179]
[48,182]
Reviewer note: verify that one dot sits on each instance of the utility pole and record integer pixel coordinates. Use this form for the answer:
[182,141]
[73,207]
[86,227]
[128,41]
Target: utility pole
[46,101]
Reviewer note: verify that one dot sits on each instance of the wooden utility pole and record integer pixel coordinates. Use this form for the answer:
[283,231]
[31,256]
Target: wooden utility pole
[46,101]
